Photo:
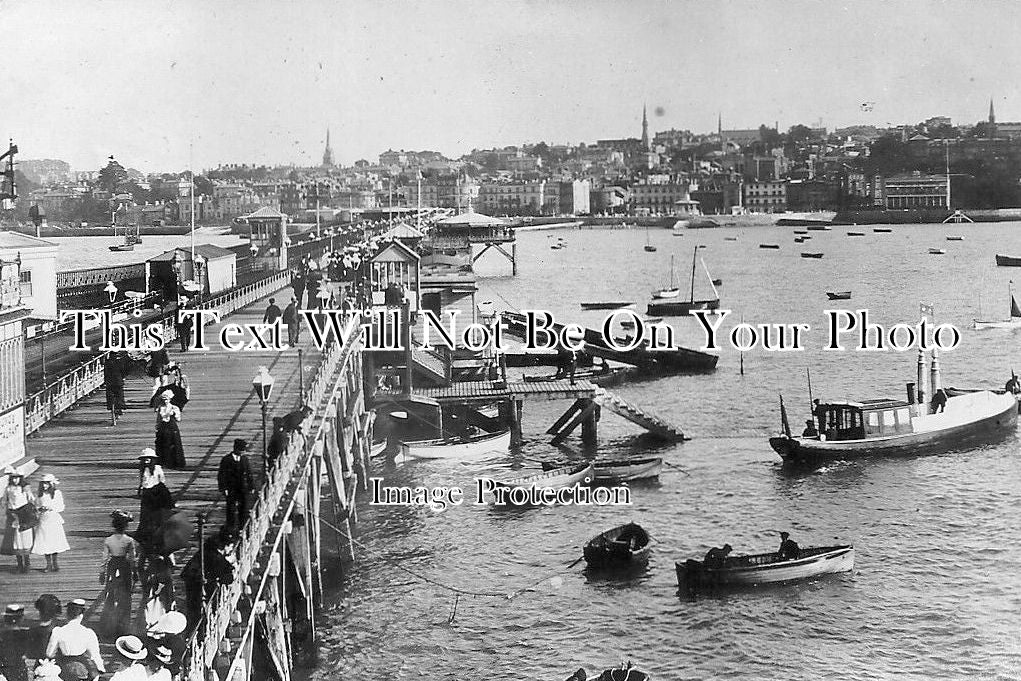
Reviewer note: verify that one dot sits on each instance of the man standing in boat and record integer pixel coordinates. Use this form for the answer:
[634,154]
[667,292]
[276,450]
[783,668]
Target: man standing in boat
[789,549]
[939,401]
[716,557]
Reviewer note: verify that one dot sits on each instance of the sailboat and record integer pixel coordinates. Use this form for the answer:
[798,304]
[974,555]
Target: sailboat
[649,248]
[1015,316]
[129,239]
[684,307]
[672,291]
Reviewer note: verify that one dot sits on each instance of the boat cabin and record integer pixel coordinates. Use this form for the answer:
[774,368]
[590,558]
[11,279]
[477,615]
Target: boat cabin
[863,420]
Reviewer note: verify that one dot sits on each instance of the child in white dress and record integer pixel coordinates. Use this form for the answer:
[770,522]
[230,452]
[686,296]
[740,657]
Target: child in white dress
[49,533]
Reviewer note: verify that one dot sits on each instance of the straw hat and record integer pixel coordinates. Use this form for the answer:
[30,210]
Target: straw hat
[131,647]
[147,453]
[166,396]
[173,622]
[49,477]
[163,654]
[47,669]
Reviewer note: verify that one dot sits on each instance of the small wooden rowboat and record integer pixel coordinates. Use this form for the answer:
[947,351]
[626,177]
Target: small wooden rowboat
[627,545]
[954,237]
[937,251]
[811,255]
[838,295]
[556,478]
[460,448]
[611,471]
[882,230]
[856,234]
[607,305]
[1007,260]
[767,568]
[605,379]
[624,470]
[377,448]
[773,246]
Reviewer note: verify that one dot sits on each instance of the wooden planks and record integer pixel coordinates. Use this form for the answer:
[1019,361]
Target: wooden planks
[486,390]
[97,462]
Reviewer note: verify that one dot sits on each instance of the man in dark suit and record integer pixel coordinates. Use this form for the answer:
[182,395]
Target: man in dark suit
[113,378]
[234,479]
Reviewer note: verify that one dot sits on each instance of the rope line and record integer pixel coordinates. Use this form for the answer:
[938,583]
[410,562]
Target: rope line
[453,589]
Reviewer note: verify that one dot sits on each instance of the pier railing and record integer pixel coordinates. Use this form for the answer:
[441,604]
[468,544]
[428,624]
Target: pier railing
[99,275]
[271,508]
[61,394]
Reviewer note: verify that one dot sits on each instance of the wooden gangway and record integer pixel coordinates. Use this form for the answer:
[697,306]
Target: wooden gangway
[639,416]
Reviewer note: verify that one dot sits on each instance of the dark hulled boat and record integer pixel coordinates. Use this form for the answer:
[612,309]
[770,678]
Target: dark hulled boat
[676,308]
[606,305]
[627,545]
[838,295]
[1007,261]
[766,568]
[811,255]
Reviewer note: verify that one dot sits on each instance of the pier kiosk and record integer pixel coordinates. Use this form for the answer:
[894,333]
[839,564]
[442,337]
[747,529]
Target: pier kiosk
[452,239]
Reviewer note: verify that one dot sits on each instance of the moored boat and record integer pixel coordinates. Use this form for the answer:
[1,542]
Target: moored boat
[1007,261]
[377,448]
[882,230]
[627,545]
[626,470]
[607,305]
[856,234]
[1013,322]
[770,246]
[670,291]
[838,295]
[937,251]
[767,568]
[954,237]
[805,254]
[556,478]
[684,307]
[801,231]
[457,448]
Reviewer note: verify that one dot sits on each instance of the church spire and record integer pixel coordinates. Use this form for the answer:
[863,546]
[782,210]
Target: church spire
[645,129]
[992,119]
[328,152]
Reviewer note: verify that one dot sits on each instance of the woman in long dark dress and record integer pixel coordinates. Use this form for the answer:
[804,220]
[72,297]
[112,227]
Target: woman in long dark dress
[48,606]
[119,576]
[169,449]
[15,501]
[155,499]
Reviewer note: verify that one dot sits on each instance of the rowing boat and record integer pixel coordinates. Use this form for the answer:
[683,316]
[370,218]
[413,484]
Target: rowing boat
[767,568]
[805,254]
[838,295]
[460,448]
[627,545]
[607,305]
[626,470]
[557,478]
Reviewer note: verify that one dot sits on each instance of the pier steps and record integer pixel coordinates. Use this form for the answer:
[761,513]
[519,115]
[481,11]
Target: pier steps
[637,415]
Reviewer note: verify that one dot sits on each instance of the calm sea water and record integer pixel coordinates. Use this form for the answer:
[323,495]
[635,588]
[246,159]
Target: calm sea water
[936,590]
[82,252]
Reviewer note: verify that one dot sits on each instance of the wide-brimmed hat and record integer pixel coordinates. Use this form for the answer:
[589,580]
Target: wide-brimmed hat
[173,622]
[241,445]
[131,647]
[9,470]
[47,669]
[147,453]
[80,602]
[49,477]
[166,396]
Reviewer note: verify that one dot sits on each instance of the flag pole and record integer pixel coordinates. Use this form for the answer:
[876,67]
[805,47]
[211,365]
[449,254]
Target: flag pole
[811,402]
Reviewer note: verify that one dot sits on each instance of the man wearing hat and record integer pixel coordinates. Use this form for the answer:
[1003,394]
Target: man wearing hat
[789,549]
[165,641]
[132,653]
[75,644]
[13,644]
[234,479]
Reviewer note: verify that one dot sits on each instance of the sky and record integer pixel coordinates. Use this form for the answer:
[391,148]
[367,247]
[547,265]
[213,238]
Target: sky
[164,86]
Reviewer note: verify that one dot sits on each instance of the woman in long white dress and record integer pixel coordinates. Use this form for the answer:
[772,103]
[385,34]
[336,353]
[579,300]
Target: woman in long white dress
[17,539]
[49,533]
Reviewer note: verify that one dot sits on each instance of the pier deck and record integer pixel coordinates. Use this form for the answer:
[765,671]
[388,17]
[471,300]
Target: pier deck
[97,463]
[494,391]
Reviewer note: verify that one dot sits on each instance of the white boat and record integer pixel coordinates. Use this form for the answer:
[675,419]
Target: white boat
[565,476]
[937,251]
[377,448]
[767,568]
[1014,322]
[626,470]
[671,291]
[457,448]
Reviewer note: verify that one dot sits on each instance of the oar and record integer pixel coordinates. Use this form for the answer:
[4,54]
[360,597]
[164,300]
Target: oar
[667,463]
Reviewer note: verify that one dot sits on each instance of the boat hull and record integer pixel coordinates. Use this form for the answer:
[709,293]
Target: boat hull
[840,295]
[625,470]
[666,293]
[1000,422]
[605,551]
[1007,261]
[448,449]
[608,305]
[766,569]
[1005,324]
[681,307]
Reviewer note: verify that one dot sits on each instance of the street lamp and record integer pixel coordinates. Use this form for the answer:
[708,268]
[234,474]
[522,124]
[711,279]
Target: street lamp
[176,263]
[111,290]
[262,384]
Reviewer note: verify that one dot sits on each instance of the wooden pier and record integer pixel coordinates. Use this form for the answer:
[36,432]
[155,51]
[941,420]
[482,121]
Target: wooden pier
[97,467]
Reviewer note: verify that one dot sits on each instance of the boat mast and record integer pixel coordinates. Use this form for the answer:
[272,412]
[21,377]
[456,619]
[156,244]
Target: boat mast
[694,256]
[671,270]
[947,145]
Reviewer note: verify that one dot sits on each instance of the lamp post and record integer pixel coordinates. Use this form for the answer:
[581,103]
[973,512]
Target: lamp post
[262,384]
[176,263]
[111,290]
